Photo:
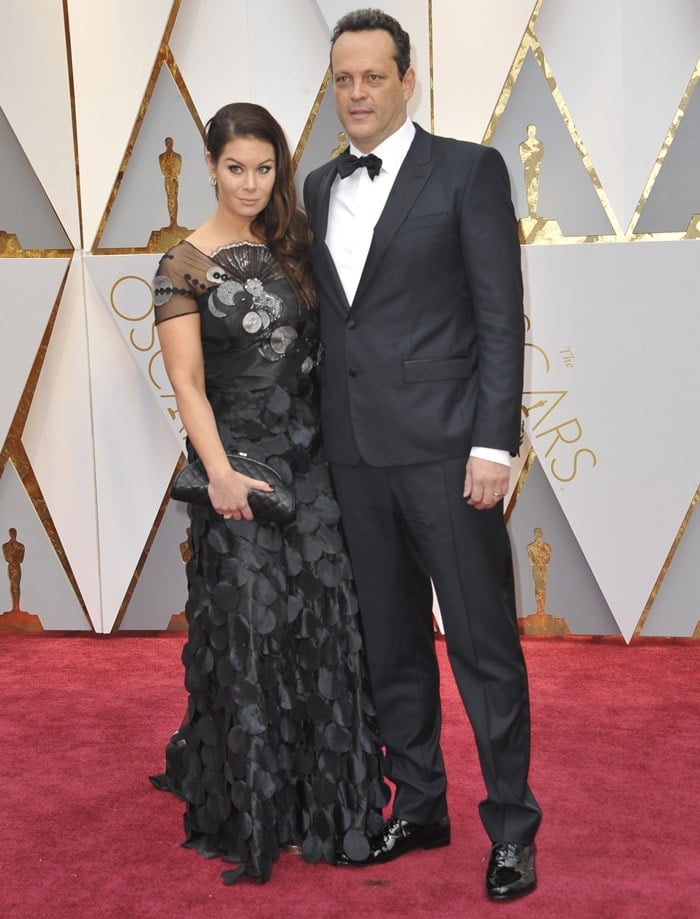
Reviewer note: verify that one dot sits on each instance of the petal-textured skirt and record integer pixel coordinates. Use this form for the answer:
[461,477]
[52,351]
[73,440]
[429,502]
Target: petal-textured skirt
[279,746]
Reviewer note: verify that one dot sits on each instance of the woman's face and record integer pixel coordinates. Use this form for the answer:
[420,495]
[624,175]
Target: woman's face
[245,175]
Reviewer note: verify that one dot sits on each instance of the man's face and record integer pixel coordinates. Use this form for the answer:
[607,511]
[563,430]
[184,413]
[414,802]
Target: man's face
[370,98]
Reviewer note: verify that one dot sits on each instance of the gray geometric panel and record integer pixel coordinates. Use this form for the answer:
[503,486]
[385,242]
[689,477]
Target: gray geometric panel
[676,609]
[572,591]
[566,193]
[161,590]
[44,588]
[25,209]
[141,204]
[675,195]
[322,139]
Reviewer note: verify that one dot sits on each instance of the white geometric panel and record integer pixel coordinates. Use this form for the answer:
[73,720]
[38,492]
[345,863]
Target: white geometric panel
[44,588]
[612,388]
[203,48]
[298,45]
[274,54]
[113,48]
[473,50]
[29,290]
[414,18]
[124,282]
[135,452]
[34,78]
[623,68]
[58,439]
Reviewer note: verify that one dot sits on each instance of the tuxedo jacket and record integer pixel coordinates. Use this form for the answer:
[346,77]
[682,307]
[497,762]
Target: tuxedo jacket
[428,359]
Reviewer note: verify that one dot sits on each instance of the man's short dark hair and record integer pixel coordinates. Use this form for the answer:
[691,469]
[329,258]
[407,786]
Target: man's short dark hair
[369,19]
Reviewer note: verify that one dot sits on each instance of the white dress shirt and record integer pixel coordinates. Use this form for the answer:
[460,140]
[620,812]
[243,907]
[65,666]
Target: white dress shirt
[356,204]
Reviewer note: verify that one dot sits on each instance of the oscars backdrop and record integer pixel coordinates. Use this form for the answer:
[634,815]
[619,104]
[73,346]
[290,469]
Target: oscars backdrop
[596,110]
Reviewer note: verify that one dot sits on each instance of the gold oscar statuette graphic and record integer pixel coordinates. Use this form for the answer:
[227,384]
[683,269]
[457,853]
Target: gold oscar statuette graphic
[170,163]
[171,166]
[16,619]
[539,555]
[693,229]
[342,144]
[178,622]
[534,228]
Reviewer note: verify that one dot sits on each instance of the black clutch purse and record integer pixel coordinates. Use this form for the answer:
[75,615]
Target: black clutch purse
[191,484]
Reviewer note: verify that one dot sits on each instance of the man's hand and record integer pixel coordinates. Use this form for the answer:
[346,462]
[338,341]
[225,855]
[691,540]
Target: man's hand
[485,483]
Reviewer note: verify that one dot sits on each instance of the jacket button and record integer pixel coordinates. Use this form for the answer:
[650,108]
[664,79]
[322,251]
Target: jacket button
[351,323]
[352,372]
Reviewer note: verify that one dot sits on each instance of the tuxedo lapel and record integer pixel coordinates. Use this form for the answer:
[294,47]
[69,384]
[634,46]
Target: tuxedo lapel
[320,229]
[412,176]
[337,284]
[320,211]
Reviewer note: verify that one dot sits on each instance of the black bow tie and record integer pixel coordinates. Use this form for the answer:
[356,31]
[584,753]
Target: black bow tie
[346,164]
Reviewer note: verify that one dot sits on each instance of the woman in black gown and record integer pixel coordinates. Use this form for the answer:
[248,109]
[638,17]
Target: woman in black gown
[278,747]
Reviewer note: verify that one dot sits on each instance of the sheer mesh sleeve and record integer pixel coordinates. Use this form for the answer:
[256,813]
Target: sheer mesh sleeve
[177,283]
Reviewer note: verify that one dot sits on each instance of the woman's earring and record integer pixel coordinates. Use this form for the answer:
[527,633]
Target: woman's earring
[212,181]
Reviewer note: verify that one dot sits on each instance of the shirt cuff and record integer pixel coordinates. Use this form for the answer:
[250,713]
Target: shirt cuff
[488,453]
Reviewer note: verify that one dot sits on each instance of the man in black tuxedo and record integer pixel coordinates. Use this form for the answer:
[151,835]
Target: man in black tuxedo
[417,262]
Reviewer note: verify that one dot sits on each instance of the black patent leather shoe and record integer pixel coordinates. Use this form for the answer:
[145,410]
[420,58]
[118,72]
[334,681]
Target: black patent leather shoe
[511,871]
[397,837]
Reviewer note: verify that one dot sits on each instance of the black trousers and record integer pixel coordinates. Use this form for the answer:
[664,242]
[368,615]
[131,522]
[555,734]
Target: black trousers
[406,526]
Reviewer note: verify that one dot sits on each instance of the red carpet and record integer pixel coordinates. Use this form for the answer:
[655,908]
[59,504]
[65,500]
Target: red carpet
[615,766]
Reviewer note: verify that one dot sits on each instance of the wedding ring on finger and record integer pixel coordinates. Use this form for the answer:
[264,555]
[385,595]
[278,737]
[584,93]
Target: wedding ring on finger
[227,516]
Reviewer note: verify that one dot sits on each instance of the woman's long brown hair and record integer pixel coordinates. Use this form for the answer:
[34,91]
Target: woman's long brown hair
[282,225]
